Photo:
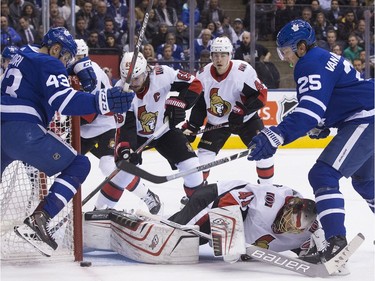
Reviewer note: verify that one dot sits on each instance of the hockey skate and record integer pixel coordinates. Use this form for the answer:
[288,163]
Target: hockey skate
[153,202]
[334,245]
[35,231]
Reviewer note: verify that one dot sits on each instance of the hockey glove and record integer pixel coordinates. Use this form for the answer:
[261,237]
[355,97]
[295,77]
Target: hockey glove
[189,130]
[264,144]
[124,152]
[86,74]
[235,118]
[113,100]
[319,132]
[174,111]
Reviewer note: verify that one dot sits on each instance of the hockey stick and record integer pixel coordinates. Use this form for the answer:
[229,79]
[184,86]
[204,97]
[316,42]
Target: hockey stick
[214,127]
[276,259]
[137,171]
[138,46]
[156,135]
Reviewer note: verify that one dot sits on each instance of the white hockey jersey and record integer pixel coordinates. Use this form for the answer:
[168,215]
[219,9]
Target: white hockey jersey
[221,92]
[262,204]
[102,123]
[149,106]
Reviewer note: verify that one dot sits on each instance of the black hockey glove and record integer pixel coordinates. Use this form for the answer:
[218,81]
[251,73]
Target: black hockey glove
[319,132]
[113,100]
[124,152]
[189,130]
[174,111]
[237,115]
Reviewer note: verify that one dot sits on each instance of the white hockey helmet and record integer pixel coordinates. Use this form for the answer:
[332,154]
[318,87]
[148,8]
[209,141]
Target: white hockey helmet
[139,68]
[296,215]
[82,48]
[222,45]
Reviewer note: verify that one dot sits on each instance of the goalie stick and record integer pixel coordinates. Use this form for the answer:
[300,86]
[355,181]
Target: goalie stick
[277,259]
[137,171]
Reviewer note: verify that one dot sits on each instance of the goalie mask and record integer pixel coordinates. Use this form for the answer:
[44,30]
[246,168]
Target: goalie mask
[295,216]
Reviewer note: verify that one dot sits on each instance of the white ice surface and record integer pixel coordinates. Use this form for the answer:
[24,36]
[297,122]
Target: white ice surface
[291,168]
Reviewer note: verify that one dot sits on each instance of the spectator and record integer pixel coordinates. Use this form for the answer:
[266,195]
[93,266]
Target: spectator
[358,65]
[28,34]
[238,31]
[360,33]
[264,13]
[109,73]
[352,52]
[358,10]
[284,14]
[243,51]
[177,50]
[6,13]
[66,10]
[182,35]
[81,30]
[140,10]
[204,59]
[315,9]
[152,25]
[321,26]
[86,13]
[31,14]
[149,54]
[177,5]
[165,14]
[59,22]
[331,41]
[212,14]
[93,40]
[334,15]
[185,15]
[110,43]
[98,20]
[337,49]
[307,15]
[347,26]
[325,5]
[168,59]
[15,9]
[9,37]
[53,13]
[214,31]
[160,37]
[109,28]
[203,42]
[119,12]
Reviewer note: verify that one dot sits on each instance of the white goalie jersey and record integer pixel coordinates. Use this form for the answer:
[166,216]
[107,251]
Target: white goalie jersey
[262,204]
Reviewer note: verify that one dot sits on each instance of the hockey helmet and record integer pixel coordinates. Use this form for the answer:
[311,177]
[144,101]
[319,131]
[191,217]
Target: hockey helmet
[9,52]
[60,35]
[82,48]
[222,45]
[292,34]
[295,216]
[139,68]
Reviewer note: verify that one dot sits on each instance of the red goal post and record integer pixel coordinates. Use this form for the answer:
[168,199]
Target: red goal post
[22,188]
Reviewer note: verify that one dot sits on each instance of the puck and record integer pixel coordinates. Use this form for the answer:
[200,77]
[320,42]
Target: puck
[85,263]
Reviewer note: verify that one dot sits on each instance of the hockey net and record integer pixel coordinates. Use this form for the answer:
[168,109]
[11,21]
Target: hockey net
[22,188]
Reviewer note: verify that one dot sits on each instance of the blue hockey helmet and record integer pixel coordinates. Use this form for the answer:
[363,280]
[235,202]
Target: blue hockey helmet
[293,33]
[9,52]
[61,36]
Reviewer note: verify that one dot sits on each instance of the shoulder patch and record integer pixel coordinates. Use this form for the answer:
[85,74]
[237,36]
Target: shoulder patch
[159,70]
[242,67]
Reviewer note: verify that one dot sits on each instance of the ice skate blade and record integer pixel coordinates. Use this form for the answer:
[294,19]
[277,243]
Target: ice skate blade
[27,234]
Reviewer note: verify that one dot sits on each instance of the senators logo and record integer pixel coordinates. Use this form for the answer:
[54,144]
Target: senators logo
[147,120]
[269,199]
[218,106]
[263,242]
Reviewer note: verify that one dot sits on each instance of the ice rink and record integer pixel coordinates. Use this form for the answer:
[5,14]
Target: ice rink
[291,168]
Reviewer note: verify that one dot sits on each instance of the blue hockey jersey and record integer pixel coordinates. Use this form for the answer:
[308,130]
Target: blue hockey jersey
[330,92]
[36,85]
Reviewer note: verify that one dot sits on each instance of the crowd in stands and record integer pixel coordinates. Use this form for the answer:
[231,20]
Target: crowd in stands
[339,24]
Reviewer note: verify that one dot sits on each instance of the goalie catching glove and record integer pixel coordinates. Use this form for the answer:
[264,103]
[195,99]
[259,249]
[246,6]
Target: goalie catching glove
[264,144]
[113,100]
[124,152]
[174,111]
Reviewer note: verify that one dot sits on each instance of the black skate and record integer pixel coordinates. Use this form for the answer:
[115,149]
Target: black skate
[36,232]
[153,202]
[334,246]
